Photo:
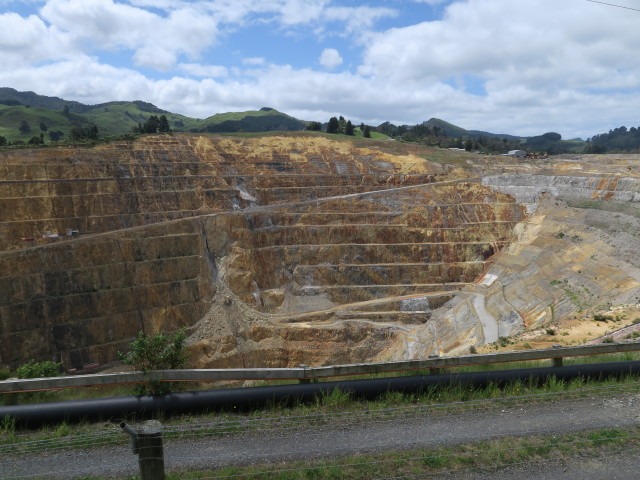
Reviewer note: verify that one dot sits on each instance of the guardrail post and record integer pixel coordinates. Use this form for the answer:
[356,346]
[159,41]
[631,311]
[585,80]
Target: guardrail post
[557,361]
[147,444]
[435,371]
[304,378]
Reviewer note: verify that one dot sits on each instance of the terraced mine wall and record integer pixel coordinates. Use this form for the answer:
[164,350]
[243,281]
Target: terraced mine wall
[577,253]
[528,188]
[79,301]
[49,192]
[267,249]
[380,244]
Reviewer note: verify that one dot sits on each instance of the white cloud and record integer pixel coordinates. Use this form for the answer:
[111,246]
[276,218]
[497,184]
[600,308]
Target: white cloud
[507,40]
[330,58]
[83,79]
[30,40]
[358,20]
[522,67]
[432,2]
[156,40]
[199,70]
[254,61]
[531,54]
[294,12]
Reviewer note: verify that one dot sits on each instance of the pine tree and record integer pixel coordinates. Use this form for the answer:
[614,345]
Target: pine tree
[163,125]
[348,128]
[333,125]
[24,127]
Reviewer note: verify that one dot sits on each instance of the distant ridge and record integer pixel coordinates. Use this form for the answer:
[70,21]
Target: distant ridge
[42,115]
[38,101]
[266,119]
[455,131]
[30,117]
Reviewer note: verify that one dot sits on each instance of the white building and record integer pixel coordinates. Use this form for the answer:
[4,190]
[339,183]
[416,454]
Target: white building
[517,153]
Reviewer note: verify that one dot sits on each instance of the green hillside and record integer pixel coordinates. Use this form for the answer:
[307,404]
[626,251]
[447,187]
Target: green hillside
[118,118]
[26,117]
[39,116]
[264,120]
[448,128]
[10,96]
[23,123]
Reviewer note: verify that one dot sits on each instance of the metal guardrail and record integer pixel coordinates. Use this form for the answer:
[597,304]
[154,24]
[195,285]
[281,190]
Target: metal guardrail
[305,373]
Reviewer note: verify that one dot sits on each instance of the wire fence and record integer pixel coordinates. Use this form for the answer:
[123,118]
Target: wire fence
[93,454]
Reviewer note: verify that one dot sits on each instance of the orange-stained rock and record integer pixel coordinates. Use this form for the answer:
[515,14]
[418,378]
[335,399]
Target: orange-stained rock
[277,251]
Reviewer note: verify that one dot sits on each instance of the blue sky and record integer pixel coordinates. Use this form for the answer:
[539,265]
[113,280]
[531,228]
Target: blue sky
[523,67]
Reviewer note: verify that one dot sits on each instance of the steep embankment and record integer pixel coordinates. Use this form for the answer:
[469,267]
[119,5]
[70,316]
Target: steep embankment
[366,271]
[167,227]
[278,251]
[576,254]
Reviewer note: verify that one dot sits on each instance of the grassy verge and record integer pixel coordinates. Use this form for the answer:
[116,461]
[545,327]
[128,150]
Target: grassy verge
[332,406]
[490,455]
[338,408]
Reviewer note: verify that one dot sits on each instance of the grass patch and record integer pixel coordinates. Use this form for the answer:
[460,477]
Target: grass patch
[454,397]
[336,408]
[490,455]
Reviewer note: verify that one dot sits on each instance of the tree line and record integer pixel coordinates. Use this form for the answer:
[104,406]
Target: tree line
[436,136]
[153,124]
[340,125]
[431,135]
[621,139]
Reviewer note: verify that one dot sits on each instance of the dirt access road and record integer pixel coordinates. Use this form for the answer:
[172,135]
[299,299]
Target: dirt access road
[339,435]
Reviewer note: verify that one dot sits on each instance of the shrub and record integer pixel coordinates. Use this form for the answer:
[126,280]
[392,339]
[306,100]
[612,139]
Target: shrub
[550,331]
[34,369]
[157,352]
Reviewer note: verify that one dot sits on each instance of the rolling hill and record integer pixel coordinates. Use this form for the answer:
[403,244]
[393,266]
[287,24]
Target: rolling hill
[39,114]
[28,117]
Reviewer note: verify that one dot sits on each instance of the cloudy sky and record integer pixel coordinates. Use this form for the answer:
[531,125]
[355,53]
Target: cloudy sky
[523,67]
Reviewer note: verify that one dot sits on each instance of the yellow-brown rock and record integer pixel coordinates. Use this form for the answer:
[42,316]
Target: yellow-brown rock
[277,251]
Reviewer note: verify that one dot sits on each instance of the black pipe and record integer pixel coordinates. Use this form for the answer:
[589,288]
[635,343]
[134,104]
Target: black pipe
[119,408]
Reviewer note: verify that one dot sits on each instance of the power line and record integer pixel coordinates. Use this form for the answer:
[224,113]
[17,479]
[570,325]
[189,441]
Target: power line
[614,5]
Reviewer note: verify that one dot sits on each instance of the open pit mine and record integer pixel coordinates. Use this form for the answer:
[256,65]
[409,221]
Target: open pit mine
[278,251]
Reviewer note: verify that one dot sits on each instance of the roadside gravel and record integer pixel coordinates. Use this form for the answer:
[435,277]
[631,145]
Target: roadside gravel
[334,436]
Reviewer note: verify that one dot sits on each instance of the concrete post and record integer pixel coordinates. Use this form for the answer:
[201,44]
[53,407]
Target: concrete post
[147,443]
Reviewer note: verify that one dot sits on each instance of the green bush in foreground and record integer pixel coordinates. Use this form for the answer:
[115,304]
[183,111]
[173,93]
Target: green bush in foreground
[34,369]
[157,352]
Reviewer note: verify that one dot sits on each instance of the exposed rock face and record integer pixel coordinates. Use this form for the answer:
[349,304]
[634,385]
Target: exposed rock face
[528,188]
[279,251]
[152,253]
[81,299]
